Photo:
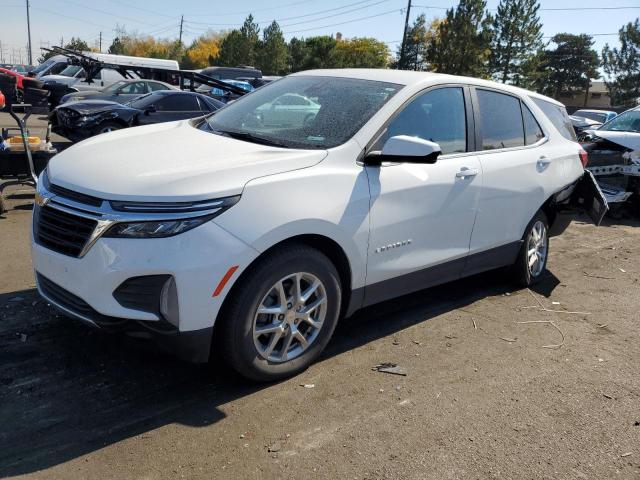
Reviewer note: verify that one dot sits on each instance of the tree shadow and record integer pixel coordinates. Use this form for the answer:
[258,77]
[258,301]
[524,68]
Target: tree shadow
[67,390]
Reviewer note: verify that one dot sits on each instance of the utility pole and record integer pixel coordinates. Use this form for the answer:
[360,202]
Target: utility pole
[404,35]
[29,33]
[100,47]
[181,22]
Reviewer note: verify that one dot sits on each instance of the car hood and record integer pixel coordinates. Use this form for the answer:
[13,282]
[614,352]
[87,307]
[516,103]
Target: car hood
[170,162]
[629,140]
[85,107]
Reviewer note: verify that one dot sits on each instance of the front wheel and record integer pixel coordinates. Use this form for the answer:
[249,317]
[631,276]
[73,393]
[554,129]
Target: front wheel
[107,127]
[281,315]
[532,259]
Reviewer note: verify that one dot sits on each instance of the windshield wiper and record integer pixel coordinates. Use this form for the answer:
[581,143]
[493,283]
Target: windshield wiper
[250,137]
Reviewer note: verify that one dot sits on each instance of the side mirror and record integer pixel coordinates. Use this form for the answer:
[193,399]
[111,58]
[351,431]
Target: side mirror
[150,109]
[405,149]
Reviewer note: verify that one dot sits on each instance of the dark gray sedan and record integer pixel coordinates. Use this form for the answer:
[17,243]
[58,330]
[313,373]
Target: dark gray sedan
[121,92]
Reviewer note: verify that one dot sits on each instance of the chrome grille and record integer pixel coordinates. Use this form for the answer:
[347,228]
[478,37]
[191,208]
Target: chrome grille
[62,232]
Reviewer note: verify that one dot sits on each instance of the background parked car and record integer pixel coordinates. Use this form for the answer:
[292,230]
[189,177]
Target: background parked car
[83,119]
[223,95]
[287,110]
[122,92]
[580,124]
[11,73]
[600,116]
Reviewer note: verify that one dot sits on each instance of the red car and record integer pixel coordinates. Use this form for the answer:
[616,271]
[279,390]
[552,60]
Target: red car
[13,74]
[1,101]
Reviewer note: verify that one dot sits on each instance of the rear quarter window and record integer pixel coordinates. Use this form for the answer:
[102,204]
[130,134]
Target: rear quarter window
[558,116]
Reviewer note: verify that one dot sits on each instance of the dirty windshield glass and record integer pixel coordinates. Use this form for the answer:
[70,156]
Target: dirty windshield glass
[303,111]
[628,121]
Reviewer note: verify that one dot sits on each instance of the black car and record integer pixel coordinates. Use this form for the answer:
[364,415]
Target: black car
[122,92]
[83,119]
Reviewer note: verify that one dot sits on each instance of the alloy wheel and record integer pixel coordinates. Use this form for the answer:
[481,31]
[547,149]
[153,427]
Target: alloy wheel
[537,248]
[290,317]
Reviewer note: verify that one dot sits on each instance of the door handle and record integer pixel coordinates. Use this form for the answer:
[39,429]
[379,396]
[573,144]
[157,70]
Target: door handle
[467,172]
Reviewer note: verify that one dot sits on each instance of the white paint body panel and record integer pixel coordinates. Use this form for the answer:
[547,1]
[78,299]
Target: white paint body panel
[287,193]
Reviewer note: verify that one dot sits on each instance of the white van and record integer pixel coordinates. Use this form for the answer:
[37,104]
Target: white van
[74,75]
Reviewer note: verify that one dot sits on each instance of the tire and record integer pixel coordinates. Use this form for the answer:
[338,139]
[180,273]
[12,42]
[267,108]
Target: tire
[262,357]
[525,273]
[106,127]
[32,83]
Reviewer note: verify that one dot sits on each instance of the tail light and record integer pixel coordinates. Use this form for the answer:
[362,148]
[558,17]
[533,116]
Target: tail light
[584,158]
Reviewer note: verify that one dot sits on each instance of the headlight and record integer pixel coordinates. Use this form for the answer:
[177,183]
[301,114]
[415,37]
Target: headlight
[159,229]
[193,214]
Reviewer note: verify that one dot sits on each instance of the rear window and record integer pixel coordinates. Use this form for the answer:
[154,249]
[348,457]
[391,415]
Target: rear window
[501,120]
[558,116]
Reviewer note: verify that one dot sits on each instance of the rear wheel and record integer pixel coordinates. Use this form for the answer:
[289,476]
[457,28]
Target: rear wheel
[532,260]
[281,315]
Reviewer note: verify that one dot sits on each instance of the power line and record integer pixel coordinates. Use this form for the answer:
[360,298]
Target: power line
[395,10]
[300,16]
[543,9]
[109,13]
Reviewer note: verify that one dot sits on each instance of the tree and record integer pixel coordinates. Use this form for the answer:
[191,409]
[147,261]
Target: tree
[239,47]
[203,51]
[463,43]
[418,38]
[568,68]
[297,54]
[319,52]
[359,53]
[117,47]
[75,44]
[517,36]
[622,66]
[272,51]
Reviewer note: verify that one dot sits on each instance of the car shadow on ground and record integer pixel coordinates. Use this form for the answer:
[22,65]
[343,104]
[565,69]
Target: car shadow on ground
[67,390]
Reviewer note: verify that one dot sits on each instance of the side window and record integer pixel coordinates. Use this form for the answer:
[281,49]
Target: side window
[500,120]
[178,103]
[154,87]
[134,88]
[532,131]
[558,116]
[438,115]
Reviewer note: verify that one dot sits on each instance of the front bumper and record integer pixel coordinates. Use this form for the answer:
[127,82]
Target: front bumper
[197,260]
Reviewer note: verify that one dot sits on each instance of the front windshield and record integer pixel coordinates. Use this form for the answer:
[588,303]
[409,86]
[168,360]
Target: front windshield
[305,111]
[70,71]
[628,121]
[113,87]
[598,117]
[44,65]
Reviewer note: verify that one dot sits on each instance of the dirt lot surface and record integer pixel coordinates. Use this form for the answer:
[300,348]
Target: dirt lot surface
[486,395]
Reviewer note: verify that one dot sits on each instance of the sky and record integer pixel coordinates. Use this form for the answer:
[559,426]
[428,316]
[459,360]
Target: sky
[56,20]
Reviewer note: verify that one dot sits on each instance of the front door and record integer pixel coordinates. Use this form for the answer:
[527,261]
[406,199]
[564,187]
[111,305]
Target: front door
[422,215]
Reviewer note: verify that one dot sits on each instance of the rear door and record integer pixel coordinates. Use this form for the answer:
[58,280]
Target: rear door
[516,172]
[173,107]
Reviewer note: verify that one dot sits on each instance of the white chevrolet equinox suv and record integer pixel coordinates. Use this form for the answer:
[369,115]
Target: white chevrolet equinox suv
[250,232]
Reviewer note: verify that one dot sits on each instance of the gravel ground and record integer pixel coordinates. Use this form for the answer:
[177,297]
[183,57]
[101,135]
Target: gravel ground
[485,396]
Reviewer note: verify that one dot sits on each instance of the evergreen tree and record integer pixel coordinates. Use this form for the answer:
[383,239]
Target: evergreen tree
[297,54]
[117,47]
[272,51]
[517,36]
[239,47]
[622,66]
[568,68]
[415,46]
[463,43]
